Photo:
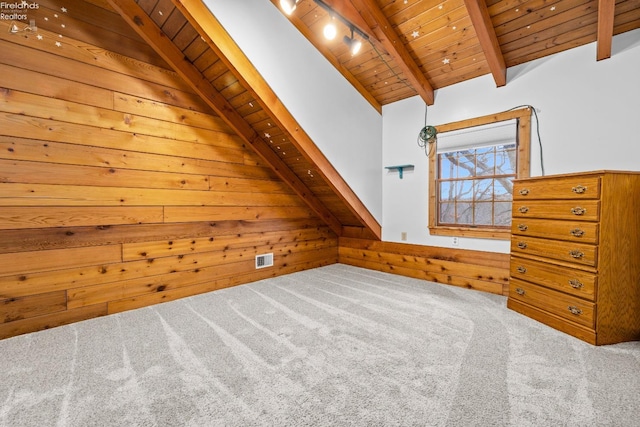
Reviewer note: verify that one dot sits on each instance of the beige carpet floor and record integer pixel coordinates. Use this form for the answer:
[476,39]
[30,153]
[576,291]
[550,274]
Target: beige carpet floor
[334,346]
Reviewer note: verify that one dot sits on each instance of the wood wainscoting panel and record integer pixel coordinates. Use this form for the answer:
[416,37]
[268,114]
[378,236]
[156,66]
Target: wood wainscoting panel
[57,259]
[60,318]
[287,264]
[31,306]
[483,271]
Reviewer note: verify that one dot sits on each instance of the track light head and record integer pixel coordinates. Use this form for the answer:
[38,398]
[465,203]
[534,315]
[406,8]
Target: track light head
[353,44]
[288,6]
[356,45]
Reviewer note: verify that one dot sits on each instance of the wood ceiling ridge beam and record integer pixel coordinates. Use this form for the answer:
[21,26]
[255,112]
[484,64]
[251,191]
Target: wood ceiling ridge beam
[606,15]
[392,43]
[152,34]
[481,21]
[208,26]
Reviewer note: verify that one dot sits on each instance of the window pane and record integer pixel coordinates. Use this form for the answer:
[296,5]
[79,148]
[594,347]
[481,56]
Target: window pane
[465,213]
[485,161]
[506,160]
[448,190]
[465,191]
[484,190]
[503,188]
[483,214]
[447,167]
[466,163]
[502,215]
[447,213]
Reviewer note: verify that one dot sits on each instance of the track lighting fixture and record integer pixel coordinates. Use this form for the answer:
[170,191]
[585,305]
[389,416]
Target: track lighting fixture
[330,31]
[353,44]
[288,6]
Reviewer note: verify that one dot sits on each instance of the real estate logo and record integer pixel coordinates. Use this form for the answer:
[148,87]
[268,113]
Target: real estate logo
[16,11]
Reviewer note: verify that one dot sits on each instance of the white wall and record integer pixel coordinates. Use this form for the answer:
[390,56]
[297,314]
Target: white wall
[340,121]
[589,115]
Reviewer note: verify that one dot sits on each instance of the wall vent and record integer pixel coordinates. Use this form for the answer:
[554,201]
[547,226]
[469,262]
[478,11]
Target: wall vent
[264,260]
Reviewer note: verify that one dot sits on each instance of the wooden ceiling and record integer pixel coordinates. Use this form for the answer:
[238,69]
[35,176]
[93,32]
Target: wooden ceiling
[417,46]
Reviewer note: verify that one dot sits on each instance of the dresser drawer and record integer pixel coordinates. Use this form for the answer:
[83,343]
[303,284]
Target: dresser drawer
[575,282]
[584,232]
[577,253]
[562,188]
[566,306]
[582,210]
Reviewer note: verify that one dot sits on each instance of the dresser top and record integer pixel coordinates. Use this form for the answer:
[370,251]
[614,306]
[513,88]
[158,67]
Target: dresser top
[579,174]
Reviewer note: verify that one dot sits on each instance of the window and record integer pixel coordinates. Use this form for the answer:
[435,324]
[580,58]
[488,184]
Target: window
[474,186]
[472,171]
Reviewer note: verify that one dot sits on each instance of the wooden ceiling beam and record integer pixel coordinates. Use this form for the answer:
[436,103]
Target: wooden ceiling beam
[154,36]
[481,21]
[606,15]
[393,44]
[221,42]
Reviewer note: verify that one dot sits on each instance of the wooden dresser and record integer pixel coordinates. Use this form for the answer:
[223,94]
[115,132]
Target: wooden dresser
[575,254]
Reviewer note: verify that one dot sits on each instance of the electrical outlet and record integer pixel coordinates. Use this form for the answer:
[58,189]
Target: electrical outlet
[455,241]
[403,236]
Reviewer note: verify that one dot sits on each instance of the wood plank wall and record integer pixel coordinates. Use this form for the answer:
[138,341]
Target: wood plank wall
[483,271]
[119,188]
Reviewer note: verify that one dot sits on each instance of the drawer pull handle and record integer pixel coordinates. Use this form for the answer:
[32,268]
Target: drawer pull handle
[521,269]
[523,209]
[575,310]
[579,189]
[575,283]
[576,254]
[578,211]
[522,245]
[519,291]
[576,232]
[523,227]
[524,192]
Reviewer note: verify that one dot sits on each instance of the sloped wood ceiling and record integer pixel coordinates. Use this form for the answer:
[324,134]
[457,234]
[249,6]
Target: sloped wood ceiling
[417,46]
[189,38]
